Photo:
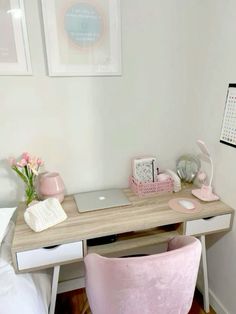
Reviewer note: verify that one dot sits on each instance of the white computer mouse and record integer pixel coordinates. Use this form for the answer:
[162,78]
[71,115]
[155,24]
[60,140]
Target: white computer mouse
[186,204]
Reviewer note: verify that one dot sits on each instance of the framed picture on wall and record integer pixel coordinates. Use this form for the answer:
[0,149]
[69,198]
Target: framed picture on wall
[14,45]
[228,130]
[83,37]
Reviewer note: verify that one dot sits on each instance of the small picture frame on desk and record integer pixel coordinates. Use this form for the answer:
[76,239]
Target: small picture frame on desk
[144,169]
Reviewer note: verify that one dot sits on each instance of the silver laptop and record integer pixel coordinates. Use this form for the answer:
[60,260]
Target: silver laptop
[95,200]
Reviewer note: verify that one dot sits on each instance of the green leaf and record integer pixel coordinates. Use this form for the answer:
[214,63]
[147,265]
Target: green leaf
[21,175]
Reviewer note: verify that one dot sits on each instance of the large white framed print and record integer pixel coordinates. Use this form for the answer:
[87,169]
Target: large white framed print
[83,37]
[14,45]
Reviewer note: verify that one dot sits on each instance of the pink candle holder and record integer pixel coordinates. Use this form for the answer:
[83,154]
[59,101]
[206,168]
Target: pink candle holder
[50,184]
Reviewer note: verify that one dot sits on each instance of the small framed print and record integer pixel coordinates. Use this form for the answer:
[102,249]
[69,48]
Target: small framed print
[83,37]
[144,169]
[14,46]
[228,131]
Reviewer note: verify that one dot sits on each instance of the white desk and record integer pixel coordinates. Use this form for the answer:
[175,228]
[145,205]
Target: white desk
[147,221]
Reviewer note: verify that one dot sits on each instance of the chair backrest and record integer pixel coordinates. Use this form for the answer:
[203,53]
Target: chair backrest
[156,284]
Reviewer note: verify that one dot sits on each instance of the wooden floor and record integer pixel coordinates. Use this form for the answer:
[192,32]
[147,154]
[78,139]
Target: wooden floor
[73,302]
[197,306]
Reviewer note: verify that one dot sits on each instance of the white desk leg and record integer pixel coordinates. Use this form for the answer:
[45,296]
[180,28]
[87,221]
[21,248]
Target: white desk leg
[205,276]
[55,278]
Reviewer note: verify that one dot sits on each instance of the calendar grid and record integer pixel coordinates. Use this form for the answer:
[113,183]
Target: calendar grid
[228,131]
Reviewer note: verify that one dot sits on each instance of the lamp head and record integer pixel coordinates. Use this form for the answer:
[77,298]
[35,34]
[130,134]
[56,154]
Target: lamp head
[203,148]
[205,193]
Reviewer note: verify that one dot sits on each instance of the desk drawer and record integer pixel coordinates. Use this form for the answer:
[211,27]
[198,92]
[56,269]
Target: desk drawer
[47,256]
[208,225]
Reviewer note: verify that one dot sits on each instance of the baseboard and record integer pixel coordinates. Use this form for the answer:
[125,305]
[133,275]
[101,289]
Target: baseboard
[215,303]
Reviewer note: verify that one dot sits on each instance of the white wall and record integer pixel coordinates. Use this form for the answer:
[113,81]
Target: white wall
[178,58]
[214,68]
[88,129]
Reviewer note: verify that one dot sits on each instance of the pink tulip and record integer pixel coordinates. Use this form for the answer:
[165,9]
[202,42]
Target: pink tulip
[26,156]
[34,171]
[33,165]
[39,162]
[22,163]
[32,160]
[12,161]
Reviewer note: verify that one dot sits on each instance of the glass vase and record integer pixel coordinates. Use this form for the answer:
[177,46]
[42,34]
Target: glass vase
[30,193]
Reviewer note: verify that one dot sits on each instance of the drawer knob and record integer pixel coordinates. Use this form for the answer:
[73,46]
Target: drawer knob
[50,247]
[207,218]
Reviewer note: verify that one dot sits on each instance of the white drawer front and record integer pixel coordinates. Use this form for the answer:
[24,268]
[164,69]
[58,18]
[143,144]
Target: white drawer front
[43,256]
[201,226]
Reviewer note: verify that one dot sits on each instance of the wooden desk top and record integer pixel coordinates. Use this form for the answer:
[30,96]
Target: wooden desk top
[144,213]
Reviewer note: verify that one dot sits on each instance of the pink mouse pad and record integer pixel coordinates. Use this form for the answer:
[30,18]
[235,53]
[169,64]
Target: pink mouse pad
[175,204]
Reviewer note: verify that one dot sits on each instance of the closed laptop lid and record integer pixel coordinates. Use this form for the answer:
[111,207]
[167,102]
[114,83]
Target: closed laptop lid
[94,200]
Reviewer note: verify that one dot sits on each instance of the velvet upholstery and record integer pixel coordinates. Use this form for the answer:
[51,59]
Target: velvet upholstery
[156,284]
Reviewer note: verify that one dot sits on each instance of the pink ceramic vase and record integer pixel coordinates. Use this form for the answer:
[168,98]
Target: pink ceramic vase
[50,184]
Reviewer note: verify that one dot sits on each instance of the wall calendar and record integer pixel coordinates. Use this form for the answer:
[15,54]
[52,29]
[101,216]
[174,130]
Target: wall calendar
[228,132]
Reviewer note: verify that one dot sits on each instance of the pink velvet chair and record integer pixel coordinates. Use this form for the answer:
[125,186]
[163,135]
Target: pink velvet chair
[156,284]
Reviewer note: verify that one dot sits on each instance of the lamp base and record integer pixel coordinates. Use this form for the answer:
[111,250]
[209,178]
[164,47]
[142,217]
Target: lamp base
[205,194]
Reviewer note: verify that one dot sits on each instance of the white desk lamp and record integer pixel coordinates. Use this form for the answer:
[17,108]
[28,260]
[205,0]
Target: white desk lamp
[205,192]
